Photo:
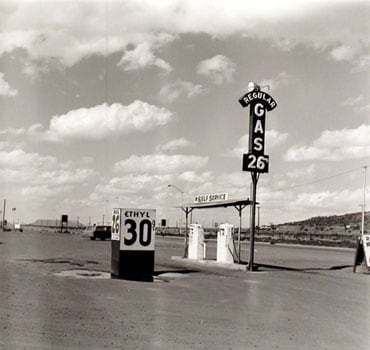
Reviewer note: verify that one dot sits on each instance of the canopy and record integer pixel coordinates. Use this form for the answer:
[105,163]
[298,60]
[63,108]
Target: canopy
[238,204]
[218,204]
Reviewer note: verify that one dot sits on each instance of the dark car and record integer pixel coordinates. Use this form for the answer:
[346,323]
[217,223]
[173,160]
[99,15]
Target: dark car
[102,232]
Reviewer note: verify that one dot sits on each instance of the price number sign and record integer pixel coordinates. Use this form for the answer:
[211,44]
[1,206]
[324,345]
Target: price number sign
[116,224]
[256,163]
[137,229]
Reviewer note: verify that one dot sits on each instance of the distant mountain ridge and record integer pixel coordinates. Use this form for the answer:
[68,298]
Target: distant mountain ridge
[334,220]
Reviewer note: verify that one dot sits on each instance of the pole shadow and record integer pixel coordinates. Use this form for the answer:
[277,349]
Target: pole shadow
[306,269]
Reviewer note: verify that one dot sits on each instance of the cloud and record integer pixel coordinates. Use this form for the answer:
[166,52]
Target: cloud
[37,174]
[160,164]
[142,57]
[145,179]
[193,176]
[334,145]
[137,184]
[273,139]
[280,80]
[300,173]
[355,103]
[43,30]
[174,145]
[362,63]
[13,131]
[352,101]
[343,53]
[328,199]
[5,89]
[171,92]
[102,122]
[219,68]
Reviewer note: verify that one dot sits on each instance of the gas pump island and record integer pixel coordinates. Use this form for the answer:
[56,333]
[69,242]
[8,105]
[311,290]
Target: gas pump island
[256,161]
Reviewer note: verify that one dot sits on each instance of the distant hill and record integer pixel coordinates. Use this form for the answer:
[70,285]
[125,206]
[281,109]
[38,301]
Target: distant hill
[352,219]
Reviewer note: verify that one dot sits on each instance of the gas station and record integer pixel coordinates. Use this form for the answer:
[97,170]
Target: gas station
[192,240]
[133,230]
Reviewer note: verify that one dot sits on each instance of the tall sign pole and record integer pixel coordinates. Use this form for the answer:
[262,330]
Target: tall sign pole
[255,161]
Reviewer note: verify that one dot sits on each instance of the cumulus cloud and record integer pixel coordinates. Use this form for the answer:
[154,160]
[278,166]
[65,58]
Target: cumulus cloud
[13,131]
[273,139]
[102,122]
[193,176]
[352,101]
[174,145]
[219,68]
[343,53]
[355,103]
[43,30]
[280,80]
[160,164]
[37,174]
[142,57]
[134,184]
[326,199]
[5,89]
[300,173]
[334,145]
[171,92]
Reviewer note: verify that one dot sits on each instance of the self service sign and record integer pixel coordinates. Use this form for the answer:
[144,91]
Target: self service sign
[133,243]
[260,102]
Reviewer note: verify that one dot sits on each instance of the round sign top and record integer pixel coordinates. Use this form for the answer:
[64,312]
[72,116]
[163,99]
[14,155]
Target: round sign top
[257,95]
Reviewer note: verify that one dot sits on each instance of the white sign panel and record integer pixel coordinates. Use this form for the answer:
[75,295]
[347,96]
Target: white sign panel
[116,224]
[206,198]
[137,229]
[366,245]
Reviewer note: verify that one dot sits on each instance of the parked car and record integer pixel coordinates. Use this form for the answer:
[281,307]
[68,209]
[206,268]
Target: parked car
[102,232]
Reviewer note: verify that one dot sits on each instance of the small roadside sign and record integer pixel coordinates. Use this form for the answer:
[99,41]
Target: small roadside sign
[116,224]
[366,245]
[137,229]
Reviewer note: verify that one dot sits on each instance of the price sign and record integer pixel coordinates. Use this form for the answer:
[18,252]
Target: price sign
[116,224]
[137,229]
[256,163]
[255,160]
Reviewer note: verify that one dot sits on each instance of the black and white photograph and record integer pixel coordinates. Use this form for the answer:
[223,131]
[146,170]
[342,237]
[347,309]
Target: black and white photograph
[184,174]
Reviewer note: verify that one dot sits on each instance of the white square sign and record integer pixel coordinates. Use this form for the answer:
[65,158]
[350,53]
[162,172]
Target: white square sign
[137,227]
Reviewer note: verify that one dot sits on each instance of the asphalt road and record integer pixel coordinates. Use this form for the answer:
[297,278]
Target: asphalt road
[302,298]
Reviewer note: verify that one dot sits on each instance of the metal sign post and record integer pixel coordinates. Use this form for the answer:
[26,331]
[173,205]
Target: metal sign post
[255,161]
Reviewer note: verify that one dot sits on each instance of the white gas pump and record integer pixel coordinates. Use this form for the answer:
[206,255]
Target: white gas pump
[225,244]
[196,242]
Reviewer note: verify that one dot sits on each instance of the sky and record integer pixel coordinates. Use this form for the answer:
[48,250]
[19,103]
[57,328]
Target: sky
[105,103]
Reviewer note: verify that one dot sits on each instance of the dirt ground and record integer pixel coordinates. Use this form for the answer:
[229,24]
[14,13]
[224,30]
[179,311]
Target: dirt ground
[56,293]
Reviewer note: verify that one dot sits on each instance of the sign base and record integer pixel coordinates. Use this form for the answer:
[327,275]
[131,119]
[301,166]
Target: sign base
[137,265]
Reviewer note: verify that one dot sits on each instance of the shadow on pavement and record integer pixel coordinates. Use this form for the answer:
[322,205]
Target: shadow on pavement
[175,271]
[307,269]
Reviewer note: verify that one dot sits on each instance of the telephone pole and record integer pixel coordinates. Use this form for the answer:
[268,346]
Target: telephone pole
[364,203]
[4,214]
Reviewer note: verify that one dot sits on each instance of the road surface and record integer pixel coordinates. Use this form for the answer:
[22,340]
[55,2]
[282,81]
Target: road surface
[302,298]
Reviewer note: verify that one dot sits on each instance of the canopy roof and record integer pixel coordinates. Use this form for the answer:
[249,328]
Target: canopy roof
[219,204]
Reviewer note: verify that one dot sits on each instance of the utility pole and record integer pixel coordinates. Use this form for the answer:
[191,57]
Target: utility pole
[4,214]
[364,203]
[14,209]
[182,203]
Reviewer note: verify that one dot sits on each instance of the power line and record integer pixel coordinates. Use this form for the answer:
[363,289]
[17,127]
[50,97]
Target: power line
[319,180]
